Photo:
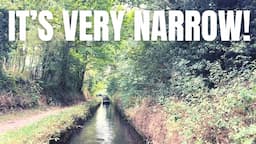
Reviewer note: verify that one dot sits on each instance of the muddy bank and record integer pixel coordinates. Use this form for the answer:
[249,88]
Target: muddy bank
[130,124]
[150,120]
[65,135]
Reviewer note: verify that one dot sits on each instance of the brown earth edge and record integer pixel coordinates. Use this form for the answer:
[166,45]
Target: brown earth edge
[130,123]
[150,121]
[65,135]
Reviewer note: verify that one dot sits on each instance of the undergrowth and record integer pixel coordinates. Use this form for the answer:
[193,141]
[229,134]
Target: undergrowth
[230,118]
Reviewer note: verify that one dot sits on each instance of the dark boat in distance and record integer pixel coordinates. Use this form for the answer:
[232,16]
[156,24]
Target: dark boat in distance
[105,100]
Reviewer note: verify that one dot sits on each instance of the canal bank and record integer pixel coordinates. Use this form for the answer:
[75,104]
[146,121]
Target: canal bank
[150,120]
[50,128]
[64,136]
[131,124]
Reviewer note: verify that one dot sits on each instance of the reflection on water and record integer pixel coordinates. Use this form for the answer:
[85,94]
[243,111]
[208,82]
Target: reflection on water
[106,127]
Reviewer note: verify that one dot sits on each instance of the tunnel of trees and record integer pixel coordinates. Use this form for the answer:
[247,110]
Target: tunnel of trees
[58,71]
[207,88]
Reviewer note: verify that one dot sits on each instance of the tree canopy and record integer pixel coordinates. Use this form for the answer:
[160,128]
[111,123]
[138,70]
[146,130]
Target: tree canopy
[131,68]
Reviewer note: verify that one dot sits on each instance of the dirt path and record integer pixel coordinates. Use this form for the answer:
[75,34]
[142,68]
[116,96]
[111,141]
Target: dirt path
[22,118]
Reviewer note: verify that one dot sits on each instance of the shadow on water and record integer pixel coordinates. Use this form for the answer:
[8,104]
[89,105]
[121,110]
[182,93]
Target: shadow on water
[106,127]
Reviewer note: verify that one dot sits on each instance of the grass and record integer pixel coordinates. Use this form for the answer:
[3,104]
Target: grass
[40,132]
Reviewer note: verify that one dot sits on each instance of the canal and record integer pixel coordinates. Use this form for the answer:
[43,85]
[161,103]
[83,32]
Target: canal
[107,127]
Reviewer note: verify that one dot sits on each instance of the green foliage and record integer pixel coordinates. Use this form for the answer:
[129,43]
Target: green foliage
[17,93]
[112,86]
[228,119]
[246,135]
[206,86]
[187,70]
[5,45]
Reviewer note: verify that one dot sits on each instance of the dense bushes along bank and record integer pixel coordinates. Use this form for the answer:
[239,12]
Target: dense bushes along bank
[227,119]
[17,93]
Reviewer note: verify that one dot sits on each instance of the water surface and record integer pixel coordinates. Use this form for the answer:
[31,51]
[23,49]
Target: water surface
[106,127]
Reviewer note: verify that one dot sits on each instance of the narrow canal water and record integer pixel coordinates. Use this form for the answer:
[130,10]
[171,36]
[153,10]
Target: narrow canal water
[106,127]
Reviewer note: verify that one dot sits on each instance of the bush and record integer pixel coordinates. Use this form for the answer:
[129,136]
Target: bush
[227,119]
[18,93]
